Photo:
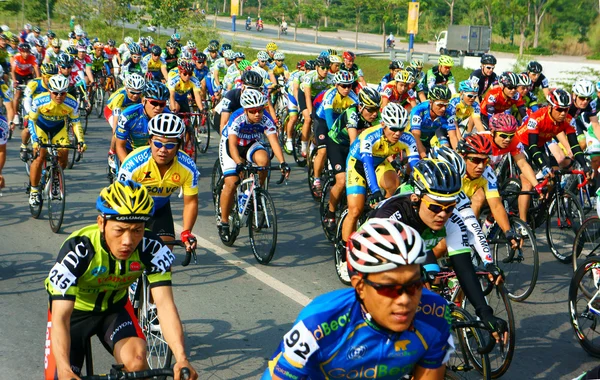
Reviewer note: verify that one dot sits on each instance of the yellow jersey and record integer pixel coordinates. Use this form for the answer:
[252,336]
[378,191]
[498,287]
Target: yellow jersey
[488,182]
[51,117]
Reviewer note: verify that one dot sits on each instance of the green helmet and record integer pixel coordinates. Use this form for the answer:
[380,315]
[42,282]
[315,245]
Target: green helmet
[242,65]
[439,92]
[445,60]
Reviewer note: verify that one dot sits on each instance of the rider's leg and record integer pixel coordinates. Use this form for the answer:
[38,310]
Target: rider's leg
[524,199]
[356,204]
[477,202]
[387,178]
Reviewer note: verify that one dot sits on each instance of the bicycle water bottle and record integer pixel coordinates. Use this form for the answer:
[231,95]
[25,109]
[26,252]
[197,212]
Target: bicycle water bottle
[242,199]
[43,179]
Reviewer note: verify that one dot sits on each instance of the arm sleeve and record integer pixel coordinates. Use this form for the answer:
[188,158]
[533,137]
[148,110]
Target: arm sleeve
[476,237]
[366,157]
[576,149]
[467,278]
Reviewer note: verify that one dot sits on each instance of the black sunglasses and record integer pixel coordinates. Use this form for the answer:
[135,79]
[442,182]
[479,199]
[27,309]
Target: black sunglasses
[345,85]
[395,290]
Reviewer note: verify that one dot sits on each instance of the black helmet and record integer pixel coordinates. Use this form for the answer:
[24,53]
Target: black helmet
[214,42]
[252,79]
[171,44]
[156,50]
[439,92]
[156,90]
[200,57]
[438,179]
[311,64]
[64,60]
[322,62]
[534,67]
[488,59]
[226,47]
[396,65]
[369,97]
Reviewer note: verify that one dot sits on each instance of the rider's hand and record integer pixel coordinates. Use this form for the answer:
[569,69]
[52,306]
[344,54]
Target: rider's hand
[81,147]
[174,107]
[499,327]
[513,238]
[184,364]
[239,168]
[285,169]
[496,274]
[375,198]
[189,240]
[539,188]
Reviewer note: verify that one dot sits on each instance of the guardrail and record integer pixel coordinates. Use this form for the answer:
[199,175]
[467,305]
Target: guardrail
[407,55]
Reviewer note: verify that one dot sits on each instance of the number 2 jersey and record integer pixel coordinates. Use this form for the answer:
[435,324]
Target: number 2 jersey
[333,338]
[85,272]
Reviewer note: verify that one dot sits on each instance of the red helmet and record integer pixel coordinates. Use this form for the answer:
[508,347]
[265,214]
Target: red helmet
[501,122]
[300,64]
[474,144]
[559,98]
[349,55]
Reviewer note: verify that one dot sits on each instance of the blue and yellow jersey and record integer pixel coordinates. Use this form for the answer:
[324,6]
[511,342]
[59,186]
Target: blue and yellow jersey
[119,100]
[420,120]
[150,65]
[34,88]
[181,88]
[459,111]
[132,126]
[488,182]
[334,104]
[5,92]
[140,167]
[333,339]
[51,116]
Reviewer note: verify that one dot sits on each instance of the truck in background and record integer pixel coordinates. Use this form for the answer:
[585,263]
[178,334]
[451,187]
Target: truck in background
[464,40]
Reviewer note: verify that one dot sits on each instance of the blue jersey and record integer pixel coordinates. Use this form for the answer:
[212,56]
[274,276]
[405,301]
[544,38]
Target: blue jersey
[334,104]
[201,73]
[333,339]
[247,132]
[133,126]
[420,120]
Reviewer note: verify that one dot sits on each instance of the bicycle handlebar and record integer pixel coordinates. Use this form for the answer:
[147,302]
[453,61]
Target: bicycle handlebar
[255,169]
[117,373]
[188,254]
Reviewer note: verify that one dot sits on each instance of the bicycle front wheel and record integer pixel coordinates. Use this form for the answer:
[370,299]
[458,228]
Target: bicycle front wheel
[56,198]
[564,219]
[202,132]
[584,305]
[262,227]
[72,153]
[214,178]
[100,96]
[520,266]
[587,241]
[297,143]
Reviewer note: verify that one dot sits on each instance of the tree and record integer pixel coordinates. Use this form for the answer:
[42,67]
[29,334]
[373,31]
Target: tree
[451,5]
[68,8]
[312,11]
[290,9]
[37,12]
[383,10]
[113,11]
[539,9]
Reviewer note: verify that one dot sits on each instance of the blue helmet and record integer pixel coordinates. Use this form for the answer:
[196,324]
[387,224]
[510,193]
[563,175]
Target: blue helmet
[469,85]
[324,54]
[156,90]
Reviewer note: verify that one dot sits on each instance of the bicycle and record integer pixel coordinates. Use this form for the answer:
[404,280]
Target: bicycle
[74,155]
[324,206]
[83,104]
[252,207]
[189,145]
[587,241]
[52,187]
[198,131]
[117,373]
[584,305]
[97,93]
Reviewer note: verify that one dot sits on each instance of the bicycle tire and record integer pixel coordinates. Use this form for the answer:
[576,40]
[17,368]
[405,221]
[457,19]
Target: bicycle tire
[297,143]
[158,353]
[266,221]
[461,363]
[520,267]
[202,130]
[587,241]
[582,289]
[234,220]
[311,174]
[500,302]
[100,96]
[56,203]
[37,210]
[339,252]
[214,178]
[324,207]
[574,220]
[71,153]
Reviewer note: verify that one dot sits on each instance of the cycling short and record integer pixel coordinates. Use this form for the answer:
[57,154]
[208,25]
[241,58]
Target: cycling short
[321,132]
[58,136]
[161,222]
[3,130]
[228,165]
[156,75]
[184,105]
[301,101]
[23,79]
[356,182]
[292,104]
[337,155]
[110,327]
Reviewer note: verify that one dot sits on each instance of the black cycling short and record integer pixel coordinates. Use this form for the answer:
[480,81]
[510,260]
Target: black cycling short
[337,155]
[161,222]
[321,132]
[301,101]
[23,79]
[184,105]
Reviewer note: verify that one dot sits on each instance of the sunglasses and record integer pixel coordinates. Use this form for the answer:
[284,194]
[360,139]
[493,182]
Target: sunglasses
[372,109]
[471,96]
[437,208]
[561,109]
[505,136]
[489,67]
[66,67]
[157,103]
[135,92]
[255,110]
[185,73]
[345,85]
[396,129]
[279,60]
[510,88]
[323,67]
[440,105]
[167,146]
[478,160]
[447,67]
[262,61]
[136,56]
[583,98]
[58,93]
[395,290]
[228,60]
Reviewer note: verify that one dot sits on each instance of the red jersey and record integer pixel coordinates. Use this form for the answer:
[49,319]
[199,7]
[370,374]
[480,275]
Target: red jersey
[515,147]
[390,92]
[542,124]
[110,52]
[24,66]
[498,102]
[80,64]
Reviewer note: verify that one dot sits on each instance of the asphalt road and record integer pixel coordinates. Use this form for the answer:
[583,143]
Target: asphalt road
[235,311]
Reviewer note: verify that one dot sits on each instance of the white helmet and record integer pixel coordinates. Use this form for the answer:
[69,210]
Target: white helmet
[279,56]
[394,116]
[135,81]
[5,28]
[150,39]
[382,244]
[252,98]
[584,88]
[186,55]
[263,73]
[191,44]
[128,40]
[58,83]
[262,55]
[228,54]
[166,125]
[343,77]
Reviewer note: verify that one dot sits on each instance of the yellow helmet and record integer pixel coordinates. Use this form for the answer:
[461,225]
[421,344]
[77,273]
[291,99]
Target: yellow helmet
[271,46]
[445,60]
[438,179]
[335,59]
[404,77]
[126,201]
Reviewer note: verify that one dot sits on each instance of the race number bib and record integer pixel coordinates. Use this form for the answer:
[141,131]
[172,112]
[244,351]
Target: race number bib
[163,259]
[299,344]
[61,278]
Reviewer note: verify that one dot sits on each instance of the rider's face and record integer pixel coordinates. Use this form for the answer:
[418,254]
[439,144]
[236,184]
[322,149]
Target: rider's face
[433,219]
[121,238]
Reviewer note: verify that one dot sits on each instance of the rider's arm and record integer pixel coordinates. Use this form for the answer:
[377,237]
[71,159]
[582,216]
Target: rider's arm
[537,155]
[121,136]
[576,149]
[198,97]
[61,336]
[307,95]
[499,212]
[475,235]
[366,157]
[190,211]
[526,169]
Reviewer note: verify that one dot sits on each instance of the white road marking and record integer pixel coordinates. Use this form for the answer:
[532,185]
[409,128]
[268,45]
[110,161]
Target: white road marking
[253,271]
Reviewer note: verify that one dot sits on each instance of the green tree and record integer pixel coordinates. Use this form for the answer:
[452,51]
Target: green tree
[36,11]
[312,10]
[288,9]
[67,8]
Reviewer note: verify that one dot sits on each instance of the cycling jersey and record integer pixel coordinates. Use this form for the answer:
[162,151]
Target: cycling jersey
[333,338]
[488,182]
[484,82]
[129,67]
[82,63]
[542,82]
[170,59]
[50,116]
[220,68]
[133,126]
[117,102]
[201,73]
[52,56]
[334,104]
[459,111]
[110,52]
[85,272]
[149,65]
[99,62]
[6,94]
[181,88]
[496,102]
[24,66]
[390,93]
[349,119]
[384,81]
[315,83]
[278,71]
[140,167]
[581,116]
[34,88]
[354,69]
[420,120]
[247,132]
[515,147]
[434,76]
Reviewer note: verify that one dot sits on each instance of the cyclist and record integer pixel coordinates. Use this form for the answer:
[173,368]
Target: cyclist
[333,102]
[47,124]
[502,98]
[53,52]
[5,126]
[398,91]
[83,62]
[100,66]
[534,71]
[344,131]
[351,67]
[463,110]
[171,55]
[375,323]
[114,59]
[335,63]
[584,112]
[240,145]
[132,127]
[201,71]
[369,167]
[154,65]
[219,69]
[528,97]
[23,69]
[280,69]
[262,60]
[132,64]
[544,125]
[395,67]
[441,74]
[33,36]
[485,76]
[163,168]
[271,49]
[292,89]
[4,54]
[84,301]
[416,67]
[232,100]
[428,119]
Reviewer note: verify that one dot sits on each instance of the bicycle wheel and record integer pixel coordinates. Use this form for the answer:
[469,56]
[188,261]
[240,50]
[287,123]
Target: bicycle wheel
[297,142]
[72,153]
[311,175]
[100,101]
[584,305]
[234,220]
[214,178]
[339,254]
[460,364]
[324,207]
[587,241]
[564,219]
[56,198]
[520,266]
[158,354]
[498,300]
[202,132]
[37,210]
[262,227]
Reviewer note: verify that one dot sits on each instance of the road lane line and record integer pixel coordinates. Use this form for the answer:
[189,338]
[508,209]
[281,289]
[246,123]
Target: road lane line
[253,271]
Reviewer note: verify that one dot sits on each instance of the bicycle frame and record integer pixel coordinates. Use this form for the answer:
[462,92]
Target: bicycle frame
[252,183]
